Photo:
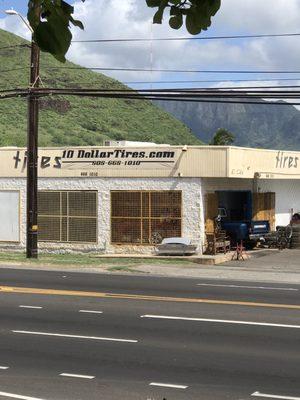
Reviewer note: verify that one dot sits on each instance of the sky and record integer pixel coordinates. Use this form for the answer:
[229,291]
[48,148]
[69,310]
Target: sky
[109,19]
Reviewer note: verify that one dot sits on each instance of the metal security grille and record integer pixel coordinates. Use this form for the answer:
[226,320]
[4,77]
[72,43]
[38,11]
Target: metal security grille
[145,217]
[67,216]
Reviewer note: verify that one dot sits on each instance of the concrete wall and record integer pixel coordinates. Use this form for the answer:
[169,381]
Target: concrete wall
[287,197]
[192,212]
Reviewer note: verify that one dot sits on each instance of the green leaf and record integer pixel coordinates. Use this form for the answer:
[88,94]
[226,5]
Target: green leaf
[53,37]
[153,3]
[66,8]
[32,16]
[175,11]
[157,19]
[214,6]
[158,16]
[176,22]
[76,22]
[192,24]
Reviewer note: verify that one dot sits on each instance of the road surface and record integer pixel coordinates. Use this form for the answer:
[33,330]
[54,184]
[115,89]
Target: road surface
[71,336]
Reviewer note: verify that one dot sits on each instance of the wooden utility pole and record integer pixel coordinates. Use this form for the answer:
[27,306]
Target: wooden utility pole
[32,155]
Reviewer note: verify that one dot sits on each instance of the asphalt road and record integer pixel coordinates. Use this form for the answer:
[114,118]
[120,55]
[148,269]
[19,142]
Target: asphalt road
[150,338]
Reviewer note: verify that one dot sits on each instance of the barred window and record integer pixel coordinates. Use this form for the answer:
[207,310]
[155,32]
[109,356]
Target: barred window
[145,217]
[67,216]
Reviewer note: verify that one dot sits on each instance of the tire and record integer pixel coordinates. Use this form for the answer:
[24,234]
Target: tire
[295,243]
[296,247]
[251,244]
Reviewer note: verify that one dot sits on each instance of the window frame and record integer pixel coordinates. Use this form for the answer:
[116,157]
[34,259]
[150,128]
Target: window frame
[141,218]
[61,216]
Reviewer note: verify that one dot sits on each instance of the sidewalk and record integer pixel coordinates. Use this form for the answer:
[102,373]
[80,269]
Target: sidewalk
[264,266]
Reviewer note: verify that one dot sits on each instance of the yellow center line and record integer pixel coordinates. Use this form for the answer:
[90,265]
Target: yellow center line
[55,292]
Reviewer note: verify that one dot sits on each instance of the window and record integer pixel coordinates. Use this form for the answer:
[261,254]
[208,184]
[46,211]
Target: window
[67,216]
[141,217]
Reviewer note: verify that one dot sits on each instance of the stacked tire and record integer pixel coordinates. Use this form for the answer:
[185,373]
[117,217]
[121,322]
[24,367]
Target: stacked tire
[295,241]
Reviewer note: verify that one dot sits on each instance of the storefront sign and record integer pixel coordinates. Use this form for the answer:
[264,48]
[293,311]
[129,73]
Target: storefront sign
[93,162]
[119,158]
[287,161]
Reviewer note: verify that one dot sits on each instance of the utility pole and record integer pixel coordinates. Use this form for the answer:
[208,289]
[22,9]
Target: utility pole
[32,153]
[32,142]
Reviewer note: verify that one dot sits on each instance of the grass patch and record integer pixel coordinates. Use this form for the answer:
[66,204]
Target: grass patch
[123,268]
[144,261]
[88,260]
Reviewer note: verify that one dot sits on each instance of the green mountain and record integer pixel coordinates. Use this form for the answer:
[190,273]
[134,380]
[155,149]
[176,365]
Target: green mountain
[72,120]
[266,126]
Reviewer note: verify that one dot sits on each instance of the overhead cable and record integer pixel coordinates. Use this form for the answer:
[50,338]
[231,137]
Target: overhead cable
[178,70]
[210,81]
[257,36]
[223,97]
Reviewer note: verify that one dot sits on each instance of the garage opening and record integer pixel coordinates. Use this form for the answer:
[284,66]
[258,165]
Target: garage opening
[240,205]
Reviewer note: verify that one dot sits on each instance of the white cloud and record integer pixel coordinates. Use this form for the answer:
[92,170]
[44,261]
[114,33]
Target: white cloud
[14,24]
[132,19]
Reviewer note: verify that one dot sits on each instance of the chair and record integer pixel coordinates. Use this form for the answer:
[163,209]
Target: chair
[217,242]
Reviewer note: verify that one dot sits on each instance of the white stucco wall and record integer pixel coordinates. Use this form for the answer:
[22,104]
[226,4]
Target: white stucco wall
[192,212]
[287,197]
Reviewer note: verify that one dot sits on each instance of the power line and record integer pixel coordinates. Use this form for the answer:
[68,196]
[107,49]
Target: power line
[171,94]
[258,36]
[178,70]
[191,89]
[201,96]
[210,81]
[193,81]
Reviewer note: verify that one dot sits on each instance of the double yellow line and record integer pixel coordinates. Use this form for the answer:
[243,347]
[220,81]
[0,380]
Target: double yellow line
[102,295]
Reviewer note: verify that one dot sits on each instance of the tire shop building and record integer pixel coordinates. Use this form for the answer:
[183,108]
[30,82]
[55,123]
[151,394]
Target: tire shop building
[125,199]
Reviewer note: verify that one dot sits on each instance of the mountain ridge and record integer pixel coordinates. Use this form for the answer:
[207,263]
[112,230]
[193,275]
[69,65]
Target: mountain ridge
[66,120]
[262,126]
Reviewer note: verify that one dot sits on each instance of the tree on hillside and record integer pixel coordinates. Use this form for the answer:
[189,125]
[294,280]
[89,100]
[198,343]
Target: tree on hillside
[51,19]
[222,137]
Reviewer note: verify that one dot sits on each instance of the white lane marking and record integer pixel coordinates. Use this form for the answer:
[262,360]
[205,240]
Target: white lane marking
[1,367]
[76,336]
[37,307]
[274,396]
[18,396]
[77,376]
[91,312]
[221,321]
[248,287]
[170,385]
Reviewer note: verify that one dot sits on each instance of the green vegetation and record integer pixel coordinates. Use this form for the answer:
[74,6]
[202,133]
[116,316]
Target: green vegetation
[77,121]
[89,260]
[222,138]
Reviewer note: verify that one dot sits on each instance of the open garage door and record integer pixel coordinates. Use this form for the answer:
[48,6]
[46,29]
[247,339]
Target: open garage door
[264,207]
